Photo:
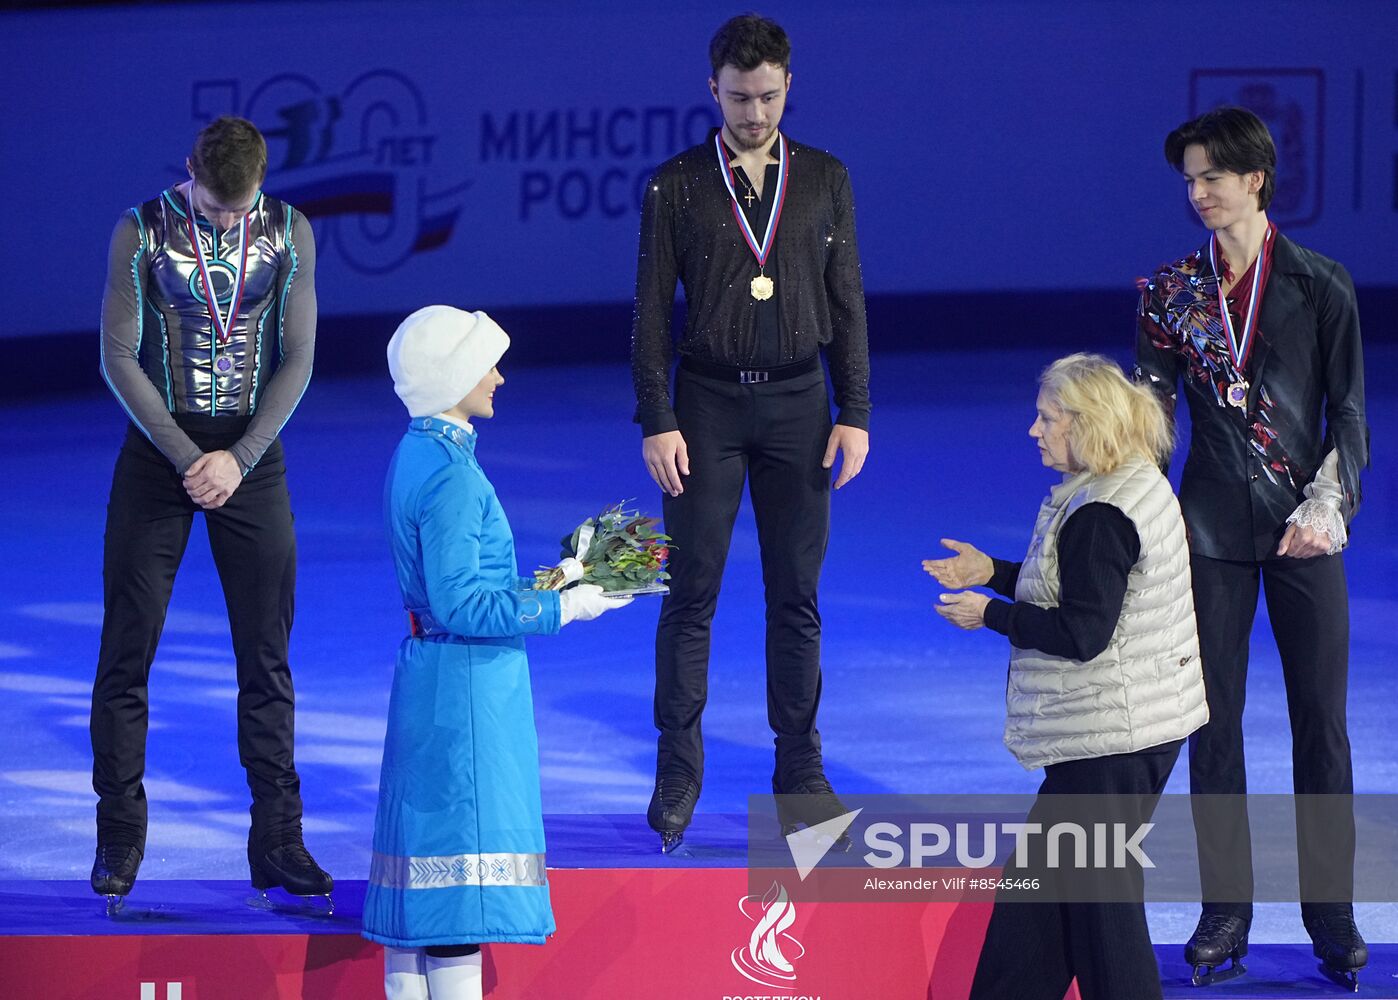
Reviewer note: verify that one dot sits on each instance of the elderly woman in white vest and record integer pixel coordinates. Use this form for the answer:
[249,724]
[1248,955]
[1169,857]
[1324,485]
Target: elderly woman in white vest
[1104,680]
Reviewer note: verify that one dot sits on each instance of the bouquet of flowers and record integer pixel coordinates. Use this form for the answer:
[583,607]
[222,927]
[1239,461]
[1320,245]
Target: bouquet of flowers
[620,550]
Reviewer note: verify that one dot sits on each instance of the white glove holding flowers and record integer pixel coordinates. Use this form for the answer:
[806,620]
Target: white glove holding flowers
[585,602]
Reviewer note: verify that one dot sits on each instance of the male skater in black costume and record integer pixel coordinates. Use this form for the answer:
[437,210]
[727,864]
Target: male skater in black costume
[760,231]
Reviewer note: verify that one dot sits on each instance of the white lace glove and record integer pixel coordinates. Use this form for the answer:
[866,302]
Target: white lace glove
[1320,511]
[1318,515]
[572,570]
[586,602]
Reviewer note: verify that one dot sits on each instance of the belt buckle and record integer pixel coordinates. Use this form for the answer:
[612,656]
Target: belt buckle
[753,378]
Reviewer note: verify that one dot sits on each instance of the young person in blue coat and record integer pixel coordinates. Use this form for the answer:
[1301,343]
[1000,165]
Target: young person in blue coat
[458,837]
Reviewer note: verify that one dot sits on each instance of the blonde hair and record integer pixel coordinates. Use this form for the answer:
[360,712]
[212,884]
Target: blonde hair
[1113,419]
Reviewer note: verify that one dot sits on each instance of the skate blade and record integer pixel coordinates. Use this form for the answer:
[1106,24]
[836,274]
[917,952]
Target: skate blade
[114,904]
[290,905]
[1340,977]
[670,842]
[1214,976]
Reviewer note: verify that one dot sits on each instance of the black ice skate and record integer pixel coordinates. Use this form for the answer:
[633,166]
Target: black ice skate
[1218,937]
[291,867]
[807,800]
[672,808]
[114,873]
[1336,942]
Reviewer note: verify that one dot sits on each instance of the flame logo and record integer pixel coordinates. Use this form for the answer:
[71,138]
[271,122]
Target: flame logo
[762,959]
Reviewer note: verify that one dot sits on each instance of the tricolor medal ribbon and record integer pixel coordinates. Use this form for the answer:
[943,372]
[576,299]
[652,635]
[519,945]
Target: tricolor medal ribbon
[761,286]
[1239,349]
[223,325]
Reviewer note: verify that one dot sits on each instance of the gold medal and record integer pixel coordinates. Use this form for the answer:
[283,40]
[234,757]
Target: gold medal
[1238,395]
[761,287]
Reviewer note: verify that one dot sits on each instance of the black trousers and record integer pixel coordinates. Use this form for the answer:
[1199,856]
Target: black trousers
[1033,950]
[1308,605]
[149,517]
[773,436]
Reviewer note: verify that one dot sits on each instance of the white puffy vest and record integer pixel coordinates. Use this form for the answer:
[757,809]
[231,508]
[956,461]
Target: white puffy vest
[1146,687]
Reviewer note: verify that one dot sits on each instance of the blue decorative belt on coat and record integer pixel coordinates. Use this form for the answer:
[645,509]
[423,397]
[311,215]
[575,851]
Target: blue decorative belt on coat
[458,836]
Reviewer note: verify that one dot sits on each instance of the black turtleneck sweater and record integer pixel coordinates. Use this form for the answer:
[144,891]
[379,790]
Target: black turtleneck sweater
[1097,547]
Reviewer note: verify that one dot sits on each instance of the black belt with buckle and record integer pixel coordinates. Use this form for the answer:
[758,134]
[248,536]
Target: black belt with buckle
[750,376]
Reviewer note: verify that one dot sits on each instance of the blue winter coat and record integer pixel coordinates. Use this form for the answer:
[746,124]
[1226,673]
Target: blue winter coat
[458,837]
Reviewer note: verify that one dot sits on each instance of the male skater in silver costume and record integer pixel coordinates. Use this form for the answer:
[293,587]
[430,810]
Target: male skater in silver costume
[208,328]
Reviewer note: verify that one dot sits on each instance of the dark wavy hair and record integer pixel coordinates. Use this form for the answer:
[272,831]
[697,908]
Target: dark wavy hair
[1234,139]
[229,157]
[747,41]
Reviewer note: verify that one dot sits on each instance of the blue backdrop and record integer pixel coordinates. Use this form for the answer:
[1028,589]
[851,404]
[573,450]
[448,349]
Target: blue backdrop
[491,153]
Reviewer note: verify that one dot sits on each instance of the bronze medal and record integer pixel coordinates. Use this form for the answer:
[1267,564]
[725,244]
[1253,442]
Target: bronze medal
[1239,344]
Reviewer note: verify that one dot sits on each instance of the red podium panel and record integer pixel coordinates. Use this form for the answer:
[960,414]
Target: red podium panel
[684,933]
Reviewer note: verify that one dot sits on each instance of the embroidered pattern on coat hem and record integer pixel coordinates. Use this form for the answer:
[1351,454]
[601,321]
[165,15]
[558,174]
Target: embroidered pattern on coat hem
[448,871]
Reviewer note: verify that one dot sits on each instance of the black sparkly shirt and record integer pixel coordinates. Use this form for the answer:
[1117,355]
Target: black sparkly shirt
[689,236]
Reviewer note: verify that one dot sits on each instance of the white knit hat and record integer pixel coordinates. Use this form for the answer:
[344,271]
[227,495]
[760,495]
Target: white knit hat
[438,355]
